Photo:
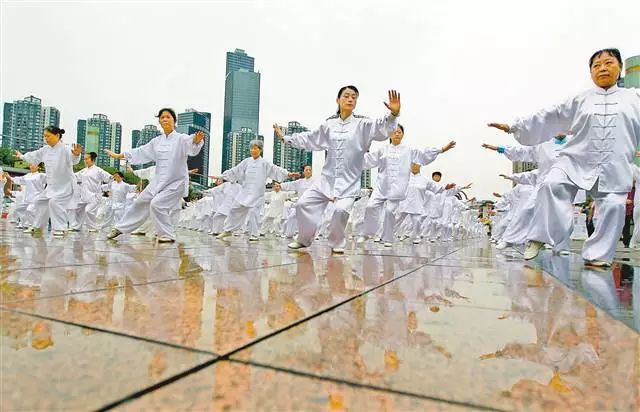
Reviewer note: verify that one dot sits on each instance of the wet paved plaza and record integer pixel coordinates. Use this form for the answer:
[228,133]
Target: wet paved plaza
[205,325]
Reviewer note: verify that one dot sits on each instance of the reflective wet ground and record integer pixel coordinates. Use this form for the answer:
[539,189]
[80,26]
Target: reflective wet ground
[202,324]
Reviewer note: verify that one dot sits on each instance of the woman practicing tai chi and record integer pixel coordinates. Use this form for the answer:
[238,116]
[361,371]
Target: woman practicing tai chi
[346,138]
[605,124]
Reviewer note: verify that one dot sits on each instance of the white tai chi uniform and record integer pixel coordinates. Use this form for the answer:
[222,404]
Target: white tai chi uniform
[413,206]
[299,186]
[274,213]
[544,155]
[252,174]
[394,170]
[33,185]
[90,180]
[57,197]
[164,193]
[605,125]
[635,239]
[118,196]
[225,194]
[345,142]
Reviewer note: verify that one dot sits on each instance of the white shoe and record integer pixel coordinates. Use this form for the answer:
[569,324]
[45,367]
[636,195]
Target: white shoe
[58,233]
[295,245]
[548,247]
[223,235]
[502,245]
[93,230]
[138,233]
[377,240]
[361,239]
[253,238]
[532,250]
[388,244]
[29,230]
[113,234]
[564,253]
[165,239]
[337,250]
[417,241]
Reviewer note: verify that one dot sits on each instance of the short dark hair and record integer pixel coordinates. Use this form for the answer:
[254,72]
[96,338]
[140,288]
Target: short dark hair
[168,110]
[54,130]
[93,156]
[401,127]
[612,52]
[436,173]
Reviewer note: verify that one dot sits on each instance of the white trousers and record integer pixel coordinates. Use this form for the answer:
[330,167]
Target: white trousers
[54,209]
[217,223]
[158,207]
[309,211]
[552,221]
[272,225]
[240,214]
[375,207]
[86,213]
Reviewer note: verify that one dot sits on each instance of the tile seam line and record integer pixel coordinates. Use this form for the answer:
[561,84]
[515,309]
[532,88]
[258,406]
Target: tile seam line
[319,313]
[111,332]
[361,385]
[206,364]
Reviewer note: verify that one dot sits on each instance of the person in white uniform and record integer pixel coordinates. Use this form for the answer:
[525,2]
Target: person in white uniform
[605,123]
[252,174]
[57,197]
[394,169]
[90,179]
[299,186]
[33,184]
[118,191]
[274,213]
[346,138]
[635,238]
[170,151]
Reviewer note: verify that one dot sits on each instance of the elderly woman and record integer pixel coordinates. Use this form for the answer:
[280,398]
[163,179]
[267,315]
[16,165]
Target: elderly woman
[252,174]
[605,124]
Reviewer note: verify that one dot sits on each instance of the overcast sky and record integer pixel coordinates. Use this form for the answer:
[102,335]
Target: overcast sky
[457,64]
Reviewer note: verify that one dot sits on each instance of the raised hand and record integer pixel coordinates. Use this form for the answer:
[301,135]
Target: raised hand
[496,194]
[500,126]
[113,155]
[490,147]
[504,176]
[76,149]
[450,186]
[294,175]
[449,146]
[394,103]
[278,130]
[467,186]
[18,154]
[198,137]
[193,171]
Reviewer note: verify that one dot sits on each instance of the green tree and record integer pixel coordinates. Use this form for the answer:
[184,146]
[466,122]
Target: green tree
[7,156]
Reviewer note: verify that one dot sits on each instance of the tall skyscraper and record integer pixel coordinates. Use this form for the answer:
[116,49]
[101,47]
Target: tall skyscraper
[241,101]
[238,60]
[142,137]
[98,133]
[239,145]
[50,116]
[189,122]
[24,121]
[291,158]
